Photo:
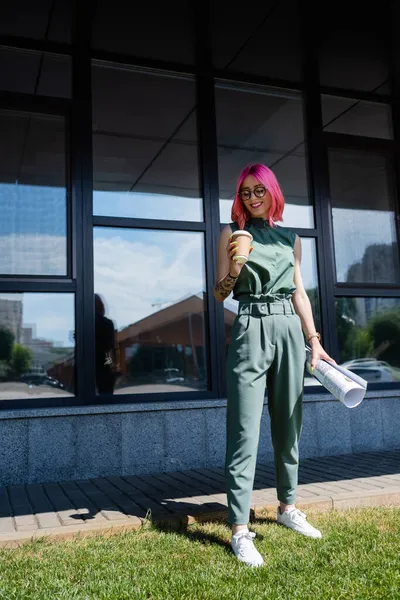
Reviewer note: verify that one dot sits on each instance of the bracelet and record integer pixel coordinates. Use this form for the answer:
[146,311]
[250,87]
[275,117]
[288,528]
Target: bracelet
[231,276]
[316,334]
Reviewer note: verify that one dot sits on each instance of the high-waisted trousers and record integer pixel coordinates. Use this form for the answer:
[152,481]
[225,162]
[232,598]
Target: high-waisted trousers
[267,350]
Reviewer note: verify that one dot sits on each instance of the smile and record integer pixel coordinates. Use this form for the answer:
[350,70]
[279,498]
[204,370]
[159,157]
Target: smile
[256,205]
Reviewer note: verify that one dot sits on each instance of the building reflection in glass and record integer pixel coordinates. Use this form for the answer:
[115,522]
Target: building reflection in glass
[153,282]
[368,332]
[166,349]
[37,349]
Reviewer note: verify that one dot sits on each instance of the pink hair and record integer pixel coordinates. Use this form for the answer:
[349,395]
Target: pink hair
[266,177]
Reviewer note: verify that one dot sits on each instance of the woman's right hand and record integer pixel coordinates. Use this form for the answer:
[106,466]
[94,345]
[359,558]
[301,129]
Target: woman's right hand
[234,266]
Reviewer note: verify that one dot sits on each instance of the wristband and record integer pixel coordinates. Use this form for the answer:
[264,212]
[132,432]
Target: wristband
[316,334]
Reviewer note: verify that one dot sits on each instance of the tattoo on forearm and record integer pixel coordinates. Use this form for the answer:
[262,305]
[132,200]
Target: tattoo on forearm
[225,285]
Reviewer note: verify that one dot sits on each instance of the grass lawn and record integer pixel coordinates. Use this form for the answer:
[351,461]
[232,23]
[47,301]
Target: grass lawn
[357,559]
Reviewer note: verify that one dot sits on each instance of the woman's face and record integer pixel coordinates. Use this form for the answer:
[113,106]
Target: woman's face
[255,197]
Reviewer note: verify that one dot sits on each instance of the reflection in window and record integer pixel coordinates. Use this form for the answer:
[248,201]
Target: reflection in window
[256,126]
[33,224]
[39,20]
[145,150]
[353,53]
[152,290]
[164,31]
[35,73]
[354,117]
[37,348]
[362,194]
[310,279]
[368,332]
[244,44]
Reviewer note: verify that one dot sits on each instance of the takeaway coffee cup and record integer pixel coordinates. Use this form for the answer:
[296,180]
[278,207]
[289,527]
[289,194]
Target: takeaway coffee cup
[244,239]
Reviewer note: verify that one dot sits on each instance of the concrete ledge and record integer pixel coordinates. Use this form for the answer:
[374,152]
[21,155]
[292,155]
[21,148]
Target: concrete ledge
[129,407]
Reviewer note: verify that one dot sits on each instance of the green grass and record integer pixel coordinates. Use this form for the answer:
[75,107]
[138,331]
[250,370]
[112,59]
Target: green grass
[357,559]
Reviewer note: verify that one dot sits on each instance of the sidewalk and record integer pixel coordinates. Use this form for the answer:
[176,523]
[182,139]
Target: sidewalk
[108,504]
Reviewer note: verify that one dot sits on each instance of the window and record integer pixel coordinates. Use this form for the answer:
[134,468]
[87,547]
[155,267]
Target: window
[33,195]
[353,52]
[37,356]
[164,31]
[368,332]
[39,20]
[256,125]
[145,146]
[262,41]
[354,117]
[150,310]
[35,73]
[363,213]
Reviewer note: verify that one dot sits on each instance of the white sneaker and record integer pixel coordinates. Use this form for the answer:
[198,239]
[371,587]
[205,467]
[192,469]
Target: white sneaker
[243,547]
[297,520]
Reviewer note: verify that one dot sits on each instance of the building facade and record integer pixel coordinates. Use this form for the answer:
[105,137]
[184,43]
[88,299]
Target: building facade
[123,134]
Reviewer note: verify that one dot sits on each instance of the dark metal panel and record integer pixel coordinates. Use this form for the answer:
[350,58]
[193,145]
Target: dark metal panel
[207,136]
[364,96]
[367,290]
[147,224]
[82,185]
[355,142]
[70,241]
[21,43]
[319,181]
[149,64]
[305,233]
[261,80]
[34,104]
[394,67]
[43,284]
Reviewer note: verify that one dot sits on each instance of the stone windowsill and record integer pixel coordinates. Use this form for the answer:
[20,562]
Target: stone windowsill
[60,411]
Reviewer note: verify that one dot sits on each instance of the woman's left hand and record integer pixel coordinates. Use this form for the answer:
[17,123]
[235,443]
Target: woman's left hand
[319,353]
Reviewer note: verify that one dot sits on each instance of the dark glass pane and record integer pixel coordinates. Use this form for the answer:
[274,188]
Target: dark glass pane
[152,287]
[257,125]
[368,332]
[363,200]
[41,19]
[354,117]
[309,271]
[353,53]
[264,41]
[163,31]
[37,348]
[33,227]
[145,150]
[35,73]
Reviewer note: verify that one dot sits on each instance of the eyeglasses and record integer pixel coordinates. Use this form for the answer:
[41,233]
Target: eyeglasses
[259,192]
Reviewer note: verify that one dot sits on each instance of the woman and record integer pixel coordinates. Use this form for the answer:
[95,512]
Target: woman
[267,349]
[105,349]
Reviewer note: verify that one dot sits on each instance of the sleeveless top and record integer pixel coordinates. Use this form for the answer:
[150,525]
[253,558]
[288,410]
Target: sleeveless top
[268,274]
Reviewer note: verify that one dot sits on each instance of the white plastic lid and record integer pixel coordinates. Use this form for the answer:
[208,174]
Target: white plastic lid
[242,232]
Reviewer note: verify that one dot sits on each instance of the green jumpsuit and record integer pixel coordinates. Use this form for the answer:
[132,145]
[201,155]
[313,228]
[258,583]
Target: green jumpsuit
[266,350]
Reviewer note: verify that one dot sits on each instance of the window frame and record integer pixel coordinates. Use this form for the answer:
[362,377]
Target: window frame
[82,221]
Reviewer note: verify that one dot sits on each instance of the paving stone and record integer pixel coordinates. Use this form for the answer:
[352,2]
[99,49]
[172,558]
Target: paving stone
[45,514]
[71,504]
[116,503]
[7,524]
